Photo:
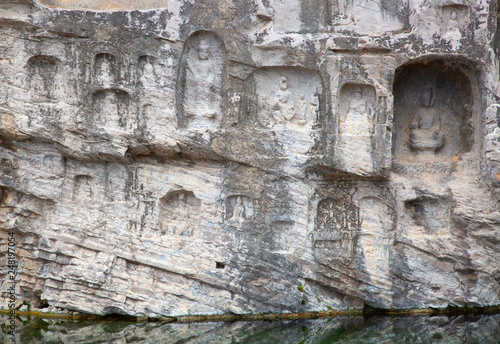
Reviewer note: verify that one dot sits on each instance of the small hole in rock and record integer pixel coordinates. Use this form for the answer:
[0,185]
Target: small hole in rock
[220,265]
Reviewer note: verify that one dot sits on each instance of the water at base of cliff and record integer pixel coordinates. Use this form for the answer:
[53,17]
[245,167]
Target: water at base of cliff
[461,329]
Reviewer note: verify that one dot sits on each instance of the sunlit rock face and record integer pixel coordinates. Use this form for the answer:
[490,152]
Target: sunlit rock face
[202,157]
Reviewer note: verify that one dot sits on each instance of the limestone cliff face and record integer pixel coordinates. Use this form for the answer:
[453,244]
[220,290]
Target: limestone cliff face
[237,156]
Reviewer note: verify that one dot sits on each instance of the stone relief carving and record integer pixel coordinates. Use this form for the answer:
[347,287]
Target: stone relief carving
[284,97]
[82,189]
[146,72]
[336,223]
[200,81]
[425,129]
[111,110]
[239,208]
[492,152]
[105,69]
[44,75]
[454,22]
[117,181]
[431,122]
[180,213]
[357,110]
[377,225]
[8,168]
[356,125]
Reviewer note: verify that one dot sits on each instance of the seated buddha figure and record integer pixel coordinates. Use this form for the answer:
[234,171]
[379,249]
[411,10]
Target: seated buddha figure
[425,136]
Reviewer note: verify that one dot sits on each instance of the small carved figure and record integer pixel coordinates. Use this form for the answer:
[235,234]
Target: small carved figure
[359,116]
[148,78]
[82,191]
[203,95]
[37,82]
[453,27]
[425,133]
[283,108]
[239,211]
[109,114]
[104,75]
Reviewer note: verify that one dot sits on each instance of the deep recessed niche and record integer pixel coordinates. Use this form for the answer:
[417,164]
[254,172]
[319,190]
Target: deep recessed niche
[433,105]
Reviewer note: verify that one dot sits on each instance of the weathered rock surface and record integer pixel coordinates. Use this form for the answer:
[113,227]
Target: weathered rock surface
[237,156]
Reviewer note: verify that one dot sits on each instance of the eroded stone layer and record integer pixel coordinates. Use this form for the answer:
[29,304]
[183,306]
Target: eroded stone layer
[237,156]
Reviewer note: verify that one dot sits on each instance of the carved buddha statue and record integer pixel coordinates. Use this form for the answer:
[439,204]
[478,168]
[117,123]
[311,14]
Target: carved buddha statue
[358,116]
[148,75]
[283,108]
[203,89]
[105,72]
[425,136]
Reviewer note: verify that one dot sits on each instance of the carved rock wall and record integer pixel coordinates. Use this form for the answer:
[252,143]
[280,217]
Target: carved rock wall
[185,157]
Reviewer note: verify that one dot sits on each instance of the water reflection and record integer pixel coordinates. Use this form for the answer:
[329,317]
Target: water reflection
[438,329]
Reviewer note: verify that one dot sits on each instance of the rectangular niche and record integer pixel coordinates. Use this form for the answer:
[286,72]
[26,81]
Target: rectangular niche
[44,76]
[432,116]
[337,224]
[284,97]
[180,214]
[356,123]
[454,21]
[111,110]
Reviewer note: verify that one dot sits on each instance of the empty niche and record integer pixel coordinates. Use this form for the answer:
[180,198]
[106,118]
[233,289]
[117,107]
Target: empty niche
[284,97]
[53,164]
[82,189]
[239,208]
[336,222]
[432,214]
[105,69]
[454,22]
[180,213]
[117,183]
[111,109]
[44,75]
[201,81]
[432,113]
[146,71]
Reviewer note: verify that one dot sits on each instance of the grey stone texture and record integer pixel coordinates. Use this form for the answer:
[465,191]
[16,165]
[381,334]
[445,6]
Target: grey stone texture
[164,158]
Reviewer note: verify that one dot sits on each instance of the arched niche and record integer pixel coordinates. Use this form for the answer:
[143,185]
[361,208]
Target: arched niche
[105,70]
[82,189]
[117,182]
[337,221]
[44,75]
[201,81]
[433,105]
[290,97]
[147,71]
[180,213]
